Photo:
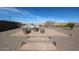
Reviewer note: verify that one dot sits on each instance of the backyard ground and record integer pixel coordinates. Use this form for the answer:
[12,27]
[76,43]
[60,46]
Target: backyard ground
[54,39]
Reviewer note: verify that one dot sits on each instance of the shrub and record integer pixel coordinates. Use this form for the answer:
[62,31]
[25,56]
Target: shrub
[70,25]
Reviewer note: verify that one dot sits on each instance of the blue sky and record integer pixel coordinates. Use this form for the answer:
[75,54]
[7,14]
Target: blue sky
[40,14]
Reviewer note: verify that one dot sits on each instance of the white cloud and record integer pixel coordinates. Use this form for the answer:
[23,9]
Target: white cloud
[10,9]
[26,16]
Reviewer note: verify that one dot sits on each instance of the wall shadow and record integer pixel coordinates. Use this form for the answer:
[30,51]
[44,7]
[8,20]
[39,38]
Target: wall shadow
[8,25]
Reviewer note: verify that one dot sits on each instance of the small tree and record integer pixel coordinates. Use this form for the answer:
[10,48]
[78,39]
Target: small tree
[70,25]
[50,23]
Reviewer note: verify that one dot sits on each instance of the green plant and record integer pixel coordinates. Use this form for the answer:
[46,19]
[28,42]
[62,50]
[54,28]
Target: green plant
[50,23]
[70,25]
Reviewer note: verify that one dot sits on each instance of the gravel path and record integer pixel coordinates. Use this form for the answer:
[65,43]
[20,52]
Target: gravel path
[12,40]
[40,41]
[48,32]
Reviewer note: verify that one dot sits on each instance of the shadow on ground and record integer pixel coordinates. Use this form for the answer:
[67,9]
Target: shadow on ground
[8,25]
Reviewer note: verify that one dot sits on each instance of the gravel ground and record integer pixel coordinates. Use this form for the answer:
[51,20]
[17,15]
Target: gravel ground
[9,41]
